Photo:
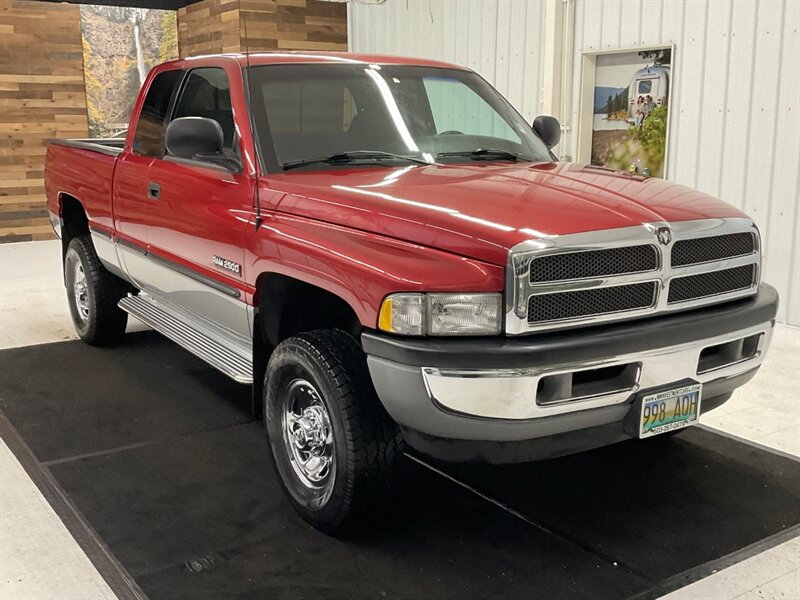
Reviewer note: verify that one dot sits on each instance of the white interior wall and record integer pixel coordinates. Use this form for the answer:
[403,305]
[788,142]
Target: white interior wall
[735,129]
[503,41]
[735,102]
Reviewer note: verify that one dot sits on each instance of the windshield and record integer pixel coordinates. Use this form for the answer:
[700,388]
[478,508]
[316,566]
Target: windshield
[306,112]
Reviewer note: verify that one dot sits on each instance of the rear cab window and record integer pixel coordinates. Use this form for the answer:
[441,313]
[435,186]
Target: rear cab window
[313,107]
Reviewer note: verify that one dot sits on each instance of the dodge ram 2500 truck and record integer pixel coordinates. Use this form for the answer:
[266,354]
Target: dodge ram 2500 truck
[389,253]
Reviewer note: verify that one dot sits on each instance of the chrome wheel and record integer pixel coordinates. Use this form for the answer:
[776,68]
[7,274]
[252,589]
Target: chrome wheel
[308,437]
[334,449]
[92,294]
[80,291]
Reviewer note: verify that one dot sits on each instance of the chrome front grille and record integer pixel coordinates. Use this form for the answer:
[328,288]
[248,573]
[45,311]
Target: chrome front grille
[617,274]
[717,247]
[594,263]
[703,285]
[595,301]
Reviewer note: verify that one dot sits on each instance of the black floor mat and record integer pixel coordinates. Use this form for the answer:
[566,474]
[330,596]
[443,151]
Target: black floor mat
[157,453]
[659,506]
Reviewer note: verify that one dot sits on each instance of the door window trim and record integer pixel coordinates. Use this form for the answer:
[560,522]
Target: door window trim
[192,162]
[167,117]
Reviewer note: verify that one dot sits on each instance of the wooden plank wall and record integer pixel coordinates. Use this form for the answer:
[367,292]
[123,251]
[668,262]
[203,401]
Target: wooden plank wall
[42,91]
[293,25]
[208,27]
[42,95]
[255,25]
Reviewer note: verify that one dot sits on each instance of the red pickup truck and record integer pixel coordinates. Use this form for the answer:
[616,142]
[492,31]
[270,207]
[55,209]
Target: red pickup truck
[393,258]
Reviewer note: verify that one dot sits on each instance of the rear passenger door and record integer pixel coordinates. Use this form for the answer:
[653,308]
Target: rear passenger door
[199,215]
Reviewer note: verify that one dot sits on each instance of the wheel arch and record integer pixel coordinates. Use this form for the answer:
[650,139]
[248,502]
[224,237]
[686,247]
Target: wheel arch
[75,222]
[286,306]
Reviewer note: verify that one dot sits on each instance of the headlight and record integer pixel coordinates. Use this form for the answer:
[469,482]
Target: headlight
[441,314]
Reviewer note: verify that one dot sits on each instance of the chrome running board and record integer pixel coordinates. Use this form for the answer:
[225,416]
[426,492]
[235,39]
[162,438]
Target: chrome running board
[233,359]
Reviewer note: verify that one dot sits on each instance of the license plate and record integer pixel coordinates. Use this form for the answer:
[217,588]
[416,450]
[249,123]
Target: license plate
[669,410]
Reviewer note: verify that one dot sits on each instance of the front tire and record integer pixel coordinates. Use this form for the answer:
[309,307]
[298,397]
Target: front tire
[334,447]
[93,293]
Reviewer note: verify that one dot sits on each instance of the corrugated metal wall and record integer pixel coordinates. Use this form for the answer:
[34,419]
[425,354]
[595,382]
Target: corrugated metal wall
[503,41]
[735,127]
[735,130]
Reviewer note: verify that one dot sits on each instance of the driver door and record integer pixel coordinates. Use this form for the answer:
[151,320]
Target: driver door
[198,215]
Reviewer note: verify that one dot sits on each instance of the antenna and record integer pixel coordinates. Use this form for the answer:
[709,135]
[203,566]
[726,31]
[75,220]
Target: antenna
[249,96]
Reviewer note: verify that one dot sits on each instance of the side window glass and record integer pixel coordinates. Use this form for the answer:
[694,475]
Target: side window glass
[456,107]
[207,94]
[148,140]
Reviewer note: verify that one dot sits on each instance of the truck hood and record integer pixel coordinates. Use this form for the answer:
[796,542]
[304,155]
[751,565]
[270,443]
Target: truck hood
[481,210]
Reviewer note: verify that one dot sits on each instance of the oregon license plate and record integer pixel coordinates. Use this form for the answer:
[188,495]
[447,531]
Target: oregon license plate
[669,410]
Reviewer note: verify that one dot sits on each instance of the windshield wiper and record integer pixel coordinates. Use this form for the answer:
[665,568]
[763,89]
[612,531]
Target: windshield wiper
[353,155]
[484,154]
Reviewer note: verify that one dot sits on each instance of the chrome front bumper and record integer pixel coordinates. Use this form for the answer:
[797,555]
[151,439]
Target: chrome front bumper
[514,393]
[560,391]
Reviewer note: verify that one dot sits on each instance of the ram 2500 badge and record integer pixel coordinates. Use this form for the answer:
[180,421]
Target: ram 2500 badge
[391,256]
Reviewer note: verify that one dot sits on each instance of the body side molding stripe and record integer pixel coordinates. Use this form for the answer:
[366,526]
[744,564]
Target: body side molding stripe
[132,245]
[99,231]
[213,283]
[226,289]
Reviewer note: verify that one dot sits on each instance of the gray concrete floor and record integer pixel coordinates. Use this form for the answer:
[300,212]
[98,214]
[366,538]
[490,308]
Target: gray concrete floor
[39,558]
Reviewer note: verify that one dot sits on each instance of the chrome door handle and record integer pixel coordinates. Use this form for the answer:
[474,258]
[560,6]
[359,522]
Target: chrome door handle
[153,190]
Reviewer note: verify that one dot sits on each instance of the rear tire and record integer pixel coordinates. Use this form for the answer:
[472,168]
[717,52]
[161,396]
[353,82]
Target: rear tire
[93,293]
[334,447]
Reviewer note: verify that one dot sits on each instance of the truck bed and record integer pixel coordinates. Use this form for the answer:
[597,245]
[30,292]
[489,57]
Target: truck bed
[83,168]
[111,146]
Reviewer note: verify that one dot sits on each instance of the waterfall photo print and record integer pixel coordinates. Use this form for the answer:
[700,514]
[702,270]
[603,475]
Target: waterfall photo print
[120,46]
[630,120]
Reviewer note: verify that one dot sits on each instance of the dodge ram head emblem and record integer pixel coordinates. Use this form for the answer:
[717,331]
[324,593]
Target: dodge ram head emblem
[664,235]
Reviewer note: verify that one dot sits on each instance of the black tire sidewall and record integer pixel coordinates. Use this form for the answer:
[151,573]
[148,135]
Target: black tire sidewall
[76,254]
[292,360]
[106,322]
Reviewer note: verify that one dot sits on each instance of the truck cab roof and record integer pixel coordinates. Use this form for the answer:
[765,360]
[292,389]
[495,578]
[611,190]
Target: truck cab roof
[304,56]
